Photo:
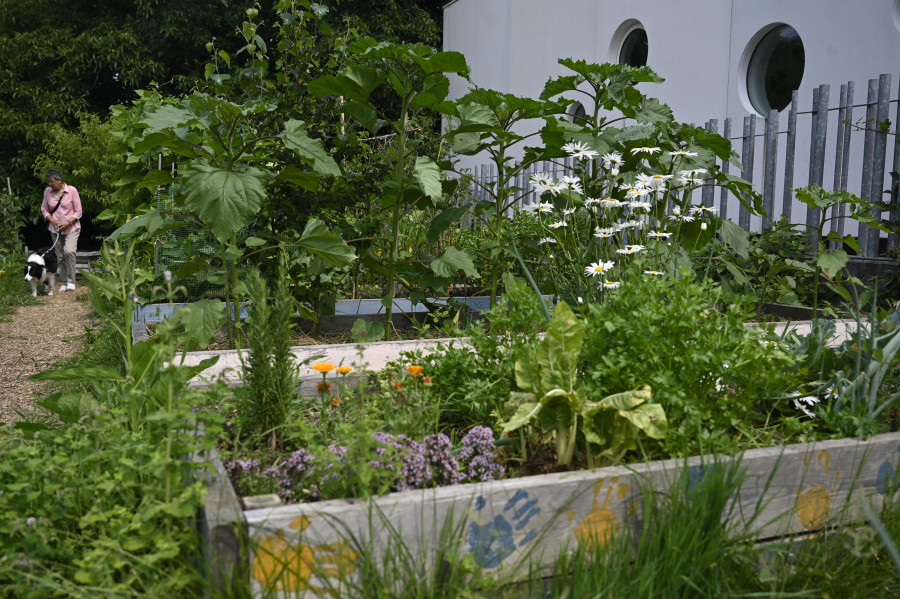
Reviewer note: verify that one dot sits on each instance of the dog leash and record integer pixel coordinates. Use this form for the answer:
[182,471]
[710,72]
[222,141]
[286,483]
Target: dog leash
[54,244]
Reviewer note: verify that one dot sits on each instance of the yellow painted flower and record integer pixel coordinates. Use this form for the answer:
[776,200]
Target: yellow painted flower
[323,367]
[414,370]
[344,369]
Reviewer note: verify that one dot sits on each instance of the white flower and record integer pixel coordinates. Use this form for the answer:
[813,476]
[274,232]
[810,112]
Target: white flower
[703,209]
[659,235]
[691,177]
[590,202]
[544,240]
[804,403]
[596,268]
[657,181]
[541,181]
[573,183]
[636,192]
[645,150]
[580,300]
[608,202]
[682,217]
[576,149]
[630,224]
[612,160]
[605,233]
[541,207]
[640,205]
[654,273]
[682,153]
[702,226]
[630,249]
[611,284]
[557,224]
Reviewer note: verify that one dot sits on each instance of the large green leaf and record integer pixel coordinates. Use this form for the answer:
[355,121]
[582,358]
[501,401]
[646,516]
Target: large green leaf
[832,262]
[167,117]
[224,200]
[305,179]
[735,237]
[653,111]
[152,222]
[556,358]
[318,240]
[442,222]
[526,412]
[427,176]
[70,408]
[296,138]
[201,320]
[451,261]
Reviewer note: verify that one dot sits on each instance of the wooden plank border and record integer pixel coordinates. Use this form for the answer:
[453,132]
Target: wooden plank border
[803,488]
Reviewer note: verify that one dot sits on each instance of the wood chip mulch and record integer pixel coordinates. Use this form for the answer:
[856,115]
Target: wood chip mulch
[34,339]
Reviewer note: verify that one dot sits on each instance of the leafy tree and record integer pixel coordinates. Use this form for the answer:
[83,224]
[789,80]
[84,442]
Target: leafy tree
[61,58]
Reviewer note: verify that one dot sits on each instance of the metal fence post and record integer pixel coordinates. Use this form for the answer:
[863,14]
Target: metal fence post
[770,157]
[748,146]
[865,190]
[878,158]
[787,202]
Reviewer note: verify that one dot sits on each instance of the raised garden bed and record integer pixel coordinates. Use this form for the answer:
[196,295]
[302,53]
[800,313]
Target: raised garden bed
[803,488]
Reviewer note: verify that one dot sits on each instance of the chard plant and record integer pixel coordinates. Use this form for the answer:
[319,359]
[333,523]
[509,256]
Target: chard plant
[416,75]
[551,400]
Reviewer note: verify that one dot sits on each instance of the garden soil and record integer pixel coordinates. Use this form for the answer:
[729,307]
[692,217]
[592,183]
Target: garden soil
[34,339]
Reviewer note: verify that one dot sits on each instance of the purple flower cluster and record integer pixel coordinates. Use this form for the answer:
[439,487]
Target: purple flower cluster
[407,463]
[477,456]
[291,473]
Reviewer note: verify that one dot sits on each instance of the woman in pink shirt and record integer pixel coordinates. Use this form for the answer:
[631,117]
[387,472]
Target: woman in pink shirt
[62,208]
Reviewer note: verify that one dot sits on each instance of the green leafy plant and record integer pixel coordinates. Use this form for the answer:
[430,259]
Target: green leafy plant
[551,396]
[416,74]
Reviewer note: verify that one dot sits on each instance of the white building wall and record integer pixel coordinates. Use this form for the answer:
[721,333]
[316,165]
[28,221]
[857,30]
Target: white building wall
[700,47]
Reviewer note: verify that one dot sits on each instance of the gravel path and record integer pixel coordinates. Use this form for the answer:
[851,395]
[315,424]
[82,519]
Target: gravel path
[34,339]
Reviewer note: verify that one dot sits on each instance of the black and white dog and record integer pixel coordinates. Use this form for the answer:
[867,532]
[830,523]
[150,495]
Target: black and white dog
[41,268]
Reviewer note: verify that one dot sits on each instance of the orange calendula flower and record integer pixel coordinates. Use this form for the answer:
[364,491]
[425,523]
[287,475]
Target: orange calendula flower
[414,370]
[427,381]
[344,369]
[323,367]
[335,402]
[320,386]
[397,385]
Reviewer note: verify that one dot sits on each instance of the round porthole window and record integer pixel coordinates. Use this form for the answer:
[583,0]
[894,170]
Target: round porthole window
[634,48]
[775,69]
[577,113]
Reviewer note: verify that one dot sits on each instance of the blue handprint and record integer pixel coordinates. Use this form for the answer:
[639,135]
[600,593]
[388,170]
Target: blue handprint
[886,481]
[493,541]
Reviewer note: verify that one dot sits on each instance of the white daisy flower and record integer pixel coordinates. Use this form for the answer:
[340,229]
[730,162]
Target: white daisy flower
[645,150]
[611,284]
[542,180]
[659,235]
[630,249]
[682,153]
[703,209]
[630,224]
[657,181]
[576,149]
[542,207]
[804,403]
[641,205]
[654,273]
[597,268]
[546,240]
[590,202]
[686,218]
[573,183]
[606,233]
[636,192]
[608,202]
[558,224]
[569,211]
[612,159]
